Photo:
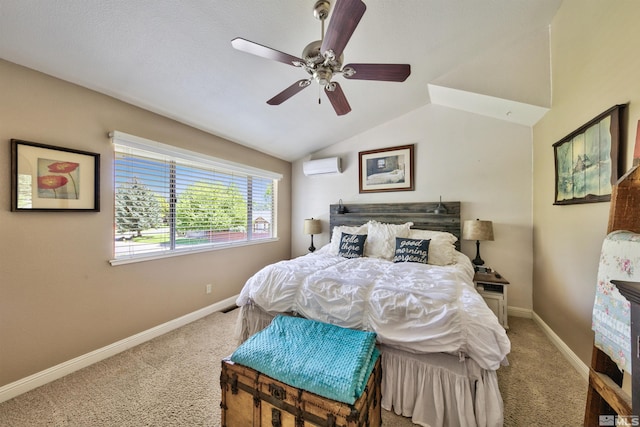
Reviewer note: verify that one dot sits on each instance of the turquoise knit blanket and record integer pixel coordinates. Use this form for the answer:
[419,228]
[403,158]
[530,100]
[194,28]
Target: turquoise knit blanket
[327,360]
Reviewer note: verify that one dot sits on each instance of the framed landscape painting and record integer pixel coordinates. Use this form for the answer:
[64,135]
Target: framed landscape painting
[386,169]
[48,178]
[586,161]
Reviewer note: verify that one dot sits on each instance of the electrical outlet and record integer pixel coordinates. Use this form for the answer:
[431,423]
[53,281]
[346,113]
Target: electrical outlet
[208,288]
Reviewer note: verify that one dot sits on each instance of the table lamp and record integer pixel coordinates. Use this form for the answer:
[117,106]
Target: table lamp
[477,230]
[312,226]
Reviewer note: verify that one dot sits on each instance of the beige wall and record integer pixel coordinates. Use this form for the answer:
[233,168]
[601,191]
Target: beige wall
[59,297]
[482,162]
[595,65]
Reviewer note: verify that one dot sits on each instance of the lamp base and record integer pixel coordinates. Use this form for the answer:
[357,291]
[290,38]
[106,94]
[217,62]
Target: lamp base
[477,260]
[312,248]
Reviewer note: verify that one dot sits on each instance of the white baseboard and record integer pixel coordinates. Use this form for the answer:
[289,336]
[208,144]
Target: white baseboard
[575,361]
[520,312]
[38,379]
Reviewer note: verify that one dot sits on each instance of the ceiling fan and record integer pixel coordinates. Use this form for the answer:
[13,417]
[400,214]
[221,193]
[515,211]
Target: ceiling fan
[322,59]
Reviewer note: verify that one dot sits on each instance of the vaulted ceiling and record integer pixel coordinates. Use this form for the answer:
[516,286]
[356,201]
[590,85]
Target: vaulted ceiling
[175,58]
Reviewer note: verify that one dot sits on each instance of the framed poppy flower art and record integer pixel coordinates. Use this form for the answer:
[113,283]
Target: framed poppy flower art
[48,178]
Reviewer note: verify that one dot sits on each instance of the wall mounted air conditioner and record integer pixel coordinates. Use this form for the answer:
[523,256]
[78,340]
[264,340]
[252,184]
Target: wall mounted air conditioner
[320,166]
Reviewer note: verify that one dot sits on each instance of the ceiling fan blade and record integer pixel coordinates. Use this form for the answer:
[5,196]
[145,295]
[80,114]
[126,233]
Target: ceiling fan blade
[381,72]
[289,92]
[344,20]
[265,52]
[337,98]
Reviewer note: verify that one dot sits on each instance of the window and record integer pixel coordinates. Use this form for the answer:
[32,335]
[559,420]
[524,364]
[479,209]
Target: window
[172,201]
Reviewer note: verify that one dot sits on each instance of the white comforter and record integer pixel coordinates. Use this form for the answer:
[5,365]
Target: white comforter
[419,308]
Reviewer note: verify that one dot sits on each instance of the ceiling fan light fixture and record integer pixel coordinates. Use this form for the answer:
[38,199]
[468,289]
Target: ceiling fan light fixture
[323,75]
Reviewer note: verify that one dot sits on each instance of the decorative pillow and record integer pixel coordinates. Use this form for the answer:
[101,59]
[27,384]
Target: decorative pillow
[336,235]
[352,245]
[442,250]
[432,234]
[381,242]
[411,250]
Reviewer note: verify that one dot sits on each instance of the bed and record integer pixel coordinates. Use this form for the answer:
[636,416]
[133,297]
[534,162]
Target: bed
[440,343]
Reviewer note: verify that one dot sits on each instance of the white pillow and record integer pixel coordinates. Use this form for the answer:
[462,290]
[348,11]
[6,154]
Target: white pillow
[442,250]
[336,235]
[381,242]
[432,234]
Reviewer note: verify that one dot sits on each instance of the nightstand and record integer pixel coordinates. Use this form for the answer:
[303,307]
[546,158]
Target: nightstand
[493,288]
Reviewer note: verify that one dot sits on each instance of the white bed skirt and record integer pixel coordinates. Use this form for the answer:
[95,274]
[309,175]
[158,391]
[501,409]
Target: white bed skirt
[434,390]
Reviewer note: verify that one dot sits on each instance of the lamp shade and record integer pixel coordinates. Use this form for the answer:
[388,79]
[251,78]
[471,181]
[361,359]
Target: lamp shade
[476,229]
[312,226]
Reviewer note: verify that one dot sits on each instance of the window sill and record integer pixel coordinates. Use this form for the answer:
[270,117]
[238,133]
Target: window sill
[217,247]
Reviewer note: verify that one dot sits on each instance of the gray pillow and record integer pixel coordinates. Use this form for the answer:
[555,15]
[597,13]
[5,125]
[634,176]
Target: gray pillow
[412,250]
[352,245]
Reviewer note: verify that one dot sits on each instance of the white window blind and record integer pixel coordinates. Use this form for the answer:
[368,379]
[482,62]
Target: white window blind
[172,201]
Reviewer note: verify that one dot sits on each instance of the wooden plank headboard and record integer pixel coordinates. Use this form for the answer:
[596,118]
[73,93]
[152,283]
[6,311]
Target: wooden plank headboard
[421,214]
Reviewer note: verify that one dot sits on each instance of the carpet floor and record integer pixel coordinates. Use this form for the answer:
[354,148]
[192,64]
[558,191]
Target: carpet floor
[173,380]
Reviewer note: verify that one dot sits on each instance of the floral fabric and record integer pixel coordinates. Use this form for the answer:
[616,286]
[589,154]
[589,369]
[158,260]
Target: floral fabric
[619,260]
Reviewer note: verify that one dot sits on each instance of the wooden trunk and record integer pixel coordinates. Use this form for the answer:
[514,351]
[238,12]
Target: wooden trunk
[250,398]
